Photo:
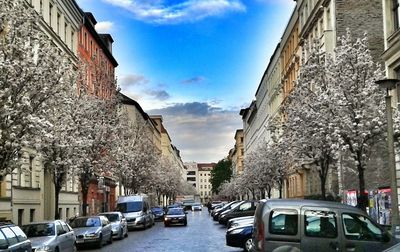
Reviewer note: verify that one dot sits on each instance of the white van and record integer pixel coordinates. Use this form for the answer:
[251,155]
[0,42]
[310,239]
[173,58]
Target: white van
[136,209]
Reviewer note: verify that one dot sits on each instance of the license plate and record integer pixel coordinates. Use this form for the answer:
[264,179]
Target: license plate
[174,221]
[80,241]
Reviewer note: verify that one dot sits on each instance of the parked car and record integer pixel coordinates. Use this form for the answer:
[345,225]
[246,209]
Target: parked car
[51,236]
[197,207]
[240,221]
[119,226]
[13,239]
[158,213]
[240,237]
[94,230]
[217,212]
[245,208]
[175,216]
[308,225]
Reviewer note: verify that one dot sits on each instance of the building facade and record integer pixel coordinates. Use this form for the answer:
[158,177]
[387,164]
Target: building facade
[28,194]
[236,155]
[204,170]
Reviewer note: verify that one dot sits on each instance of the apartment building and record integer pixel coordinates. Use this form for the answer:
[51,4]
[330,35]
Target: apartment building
[204,181]
[27,194]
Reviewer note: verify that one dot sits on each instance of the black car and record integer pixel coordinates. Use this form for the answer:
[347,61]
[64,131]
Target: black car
[158,213]
[216,212]
[12,238]
[240,237]
[175,216]
[245,208]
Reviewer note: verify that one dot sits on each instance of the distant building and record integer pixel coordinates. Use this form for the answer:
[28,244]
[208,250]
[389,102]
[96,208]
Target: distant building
[204,178]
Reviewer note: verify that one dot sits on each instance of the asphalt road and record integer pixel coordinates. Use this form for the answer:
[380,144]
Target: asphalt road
[201,234]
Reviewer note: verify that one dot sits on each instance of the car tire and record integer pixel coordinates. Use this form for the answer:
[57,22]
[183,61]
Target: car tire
[74,248]
[185,223]
[166,225]
[57,249]
[248,245]
[100,243]
[121,234]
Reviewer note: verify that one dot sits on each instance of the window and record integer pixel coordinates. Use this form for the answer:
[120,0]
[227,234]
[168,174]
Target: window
[283,222]
[320,224]
[31,171]
[11,237]
[59,229]
[358,227]
[191,173]
[60,212]
[20,234]
[201,187]
[58,23]
[50,15]
[67,213]
[20,216]
[396,14]
[191,179]
[3,240]
[32,215]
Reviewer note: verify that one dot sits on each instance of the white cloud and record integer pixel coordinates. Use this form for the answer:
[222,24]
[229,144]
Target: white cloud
[104,27]
[158,11]
[201,131]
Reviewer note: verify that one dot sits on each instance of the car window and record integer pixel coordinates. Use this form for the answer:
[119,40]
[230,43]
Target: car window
[111,217]
[320,224]
[39,229]
[283,222]
[3,240]
[11,237]
[20,234]
[65,227]
[359,227]
[59,229]
[175,211]
[86,222]
[245,206]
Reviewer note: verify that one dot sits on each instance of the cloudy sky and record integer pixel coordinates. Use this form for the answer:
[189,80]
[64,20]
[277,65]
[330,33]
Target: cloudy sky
[195,62]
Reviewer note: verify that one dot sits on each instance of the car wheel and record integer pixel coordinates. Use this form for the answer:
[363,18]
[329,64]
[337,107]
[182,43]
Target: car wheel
[74,249]
[185,223]
[100,243]
[57,249]
[144,225]
[121,234]
[166,225]
[248,245]
[126,234]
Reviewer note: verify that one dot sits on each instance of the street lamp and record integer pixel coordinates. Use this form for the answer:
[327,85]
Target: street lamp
[390,84]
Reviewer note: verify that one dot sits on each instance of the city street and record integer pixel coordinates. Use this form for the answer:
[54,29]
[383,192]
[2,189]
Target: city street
[201,234]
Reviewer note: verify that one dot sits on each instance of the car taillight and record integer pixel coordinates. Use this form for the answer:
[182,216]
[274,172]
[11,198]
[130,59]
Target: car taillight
[260,236]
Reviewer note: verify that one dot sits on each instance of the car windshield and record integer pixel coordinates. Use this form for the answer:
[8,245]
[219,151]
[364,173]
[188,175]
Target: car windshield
[128,207]
[175,211]
[111,217]
[157,210]
[38,230]
[86,222]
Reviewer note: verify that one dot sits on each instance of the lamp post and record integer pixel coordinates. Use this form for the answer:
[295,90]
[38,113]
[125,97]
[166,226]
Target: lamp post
[390,84]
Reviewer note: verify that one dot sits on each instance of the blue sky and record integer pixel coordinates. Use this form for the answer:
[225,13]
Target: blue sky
[195,62]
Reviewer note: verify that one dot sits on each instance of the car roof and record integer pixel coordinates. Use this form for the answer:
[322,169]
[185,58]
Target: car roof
[43,222]
[278,203]
[110,213]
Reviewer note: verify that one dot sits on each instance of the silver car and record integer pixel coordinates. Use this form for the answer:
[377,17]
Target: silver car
[95,230]
[119,226]
[54,236]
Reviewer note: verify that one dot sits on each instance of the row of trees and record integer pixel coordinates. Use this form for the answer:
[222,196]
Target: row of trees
[335,109]
[46,109]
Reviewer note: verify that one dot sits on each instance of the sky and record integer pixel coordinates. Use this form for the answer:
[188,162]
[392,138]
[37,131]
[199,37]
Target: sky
[195,62]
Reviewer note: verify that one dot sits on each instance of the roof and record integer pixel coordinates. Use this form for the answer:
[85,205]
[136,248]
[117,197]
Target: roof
[128,101]
[309,203]
[205,166]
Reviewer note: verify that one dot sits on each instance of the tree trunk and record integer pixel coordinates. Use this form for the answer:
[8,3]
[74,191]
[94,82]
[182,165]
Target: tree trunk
[253,193]
[269,190]
[85,181]
[262,192]
[362,199]
[56,202]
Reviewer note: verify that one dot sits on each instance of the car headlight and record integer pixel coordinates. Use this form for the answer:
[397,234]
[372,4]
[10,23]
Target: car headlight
[92,235]
[237,231]
[43,249]
[166,218]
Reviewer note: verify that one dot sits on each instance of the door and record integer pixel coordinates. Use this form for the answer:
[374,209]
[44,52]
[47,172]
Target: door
[319,230]
[242,210]
[69,237]
[363,234]
[62,240]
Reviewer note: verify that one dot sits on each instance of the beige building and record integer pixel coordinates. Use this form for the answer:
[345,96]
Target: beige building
[167,148]
[236,154]
[28,193]
[204,187]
